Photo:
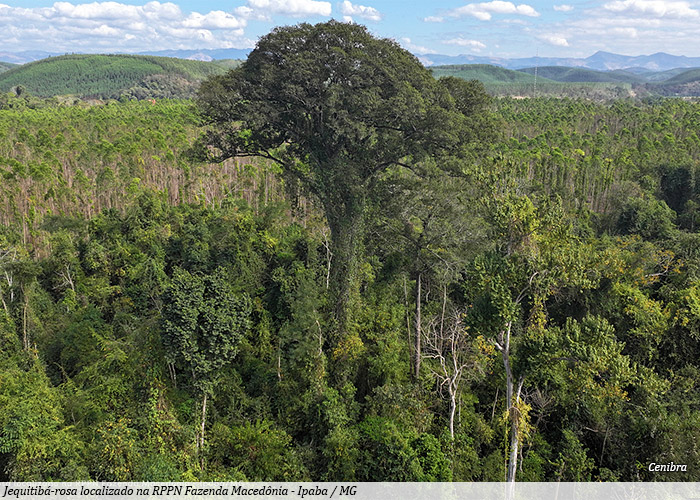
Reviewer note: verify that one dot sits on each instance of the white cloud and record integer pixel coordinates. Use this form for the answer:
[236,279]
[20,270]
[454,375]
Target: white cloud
[484,11]
[293,8]
[215,19]
[118,27]
[101,11]
[553,39]
[163,10]
[520,22]
[625,32]
[105,30]
[368,13]
[631,27]
[434,19]
[563,8]
[70,26]
[653,8]
[416,49]
[462,42]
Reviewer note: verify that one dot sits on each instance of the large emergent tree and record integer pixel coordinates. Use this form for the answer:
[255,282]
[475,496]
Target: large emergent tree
[335,107]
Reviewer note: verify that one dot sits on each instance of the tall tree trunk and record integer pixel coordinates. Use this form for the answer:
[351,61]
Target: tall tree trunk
[409,341]
[201,430]
[419,333]
[453,408]
[346,233]
[513,414]
[512,400]
[514,443]
[173,376]
[279,360]
[25,333]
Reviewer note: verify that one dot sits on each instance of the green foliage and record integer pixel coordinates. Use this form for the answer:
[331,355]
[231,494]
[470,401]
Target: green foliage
[566,74]
[115,451]
[110,76]
[203,323]
[5,66]
[335,107]
[146,302]
[588,366]
[485,73]
[36,444]
[434,464]
[652,219]
[690,75]
[258,452]
[386,453]
[562,81]
[572,463]
[58,162]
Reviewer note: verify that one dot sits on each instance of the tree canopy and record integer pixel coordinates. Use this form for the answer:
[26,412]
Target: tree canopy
[535,318]
[336,106]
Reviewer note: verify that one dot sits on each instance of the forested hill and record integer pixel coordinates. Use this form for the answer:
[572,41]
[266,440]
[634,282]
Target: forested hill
[485,73]
[146,77]
[565,74]
[112,76]
[6,66]
[561,81]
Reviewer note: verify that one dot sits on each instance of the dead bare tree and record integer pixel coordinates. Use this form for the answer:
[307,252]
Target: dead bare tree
[7,257]
[447,340]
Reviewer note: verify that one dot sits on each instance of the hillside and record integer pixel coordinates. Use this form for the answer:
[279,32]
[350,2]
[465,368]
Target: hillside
[570,75]
[690,76]
[560,81]
[6,66]
[504,82]
[82,159]
[145,77]
[484,72]
[660,76]
[685,84]
[112,76]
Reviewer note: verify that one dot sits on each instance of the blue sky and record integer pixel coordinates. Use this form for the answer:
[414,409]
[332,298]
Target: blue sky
[497,28]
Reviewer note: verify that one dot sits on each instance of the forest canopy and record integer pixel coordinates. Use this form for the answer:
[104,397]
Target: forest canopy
[524,301]
[336,108]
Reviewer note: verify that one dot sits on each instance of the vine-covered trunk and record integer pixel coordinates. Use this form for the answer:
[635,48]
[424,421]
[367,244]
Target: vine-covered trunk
[514,444]
[515,430]
[512,400]
[419,332]
[346,234]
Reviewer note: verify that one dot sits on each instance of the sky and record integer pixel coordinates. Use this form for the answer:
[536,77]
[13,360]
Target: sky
[497,28]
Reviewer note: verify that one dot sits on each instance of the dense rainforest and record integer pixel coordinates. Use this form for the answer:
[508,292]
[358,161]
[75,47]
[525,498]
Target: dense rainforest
[530,308]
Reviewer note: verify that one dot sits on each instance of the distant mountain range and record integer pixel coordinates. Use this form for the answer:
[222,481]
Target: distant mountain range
[145,76]
[202,55]
[195,55]
[24,56]
[600,61]
[566,81]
